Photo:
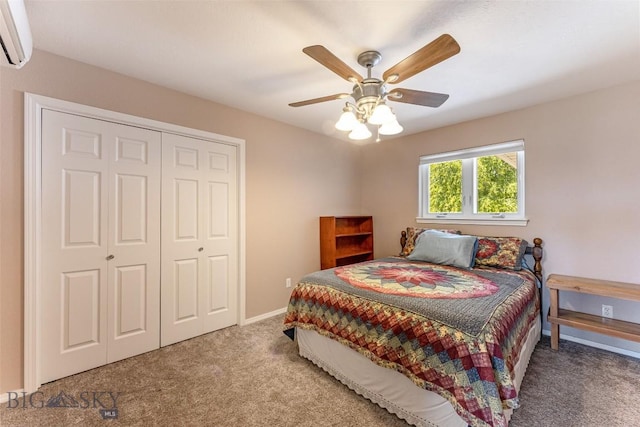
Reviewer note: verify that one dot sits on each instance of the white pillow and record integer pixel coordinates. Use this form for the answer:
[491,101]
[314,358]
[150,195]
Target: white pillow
[445,248]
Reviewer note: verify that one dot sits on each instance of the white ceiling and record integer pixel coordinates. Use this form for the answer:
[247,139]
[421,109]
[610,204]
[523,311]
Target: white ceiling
[248,54]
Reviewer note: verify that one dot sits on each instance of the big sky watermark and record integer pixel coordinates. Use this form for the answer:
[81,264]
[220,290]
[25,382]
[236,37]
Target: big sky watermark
[105,401]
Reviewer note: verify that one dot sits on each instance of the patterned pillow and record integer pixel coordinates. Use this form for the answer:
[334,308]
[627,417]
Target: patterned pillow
[412,236]
[501,252]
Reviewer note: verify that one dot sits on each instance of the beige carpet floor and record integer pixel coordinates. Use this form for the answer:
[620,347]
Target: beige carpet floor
[252,376]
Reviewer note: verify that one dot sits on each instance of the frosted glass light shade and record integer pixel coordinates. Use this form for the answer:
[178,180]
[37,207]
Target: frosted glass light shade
[381,114]
[361,131]
[347,121]
[390,128]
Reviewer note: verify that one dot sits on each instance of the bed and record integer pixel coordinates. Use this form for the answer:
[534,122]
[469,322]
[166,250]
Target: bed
[434,342]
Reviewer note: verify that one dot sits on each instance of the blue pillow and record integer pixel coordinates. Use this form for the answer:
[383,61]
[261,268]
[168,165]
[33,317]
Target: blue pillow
[445,248]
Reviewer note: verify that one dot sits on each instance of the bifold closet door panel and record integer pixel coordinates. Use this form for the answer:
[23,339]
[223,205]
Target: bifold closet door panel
[74,245]
[100,227]
[220,289]
[181,236]
[200,235]
[134,242]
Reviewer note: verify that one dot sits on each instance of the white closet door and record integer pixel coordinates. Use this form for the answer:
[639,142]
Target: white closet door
[220,285]
[134,242]
[100,287]
[200,235]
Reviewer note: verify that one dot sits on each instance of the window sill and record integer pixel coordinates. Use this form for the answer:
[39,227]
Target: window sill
[520,222]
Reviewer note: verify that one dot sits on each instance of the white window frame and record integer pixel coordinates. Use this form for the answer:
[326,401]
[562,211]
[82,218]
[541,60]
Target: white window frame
[469,214]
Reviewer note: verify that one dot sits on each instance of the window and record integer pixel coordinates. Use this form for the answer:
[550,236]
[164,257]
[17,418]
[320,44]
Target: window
[478,185]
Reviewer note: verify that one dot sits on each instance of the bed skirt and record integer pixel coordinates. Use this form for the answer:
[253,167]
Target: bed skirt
[390,389]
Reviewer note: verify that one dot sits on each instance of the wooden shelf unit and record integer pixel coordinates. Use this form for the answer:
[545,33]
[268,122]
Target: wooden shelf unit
[345,240]
[590,322]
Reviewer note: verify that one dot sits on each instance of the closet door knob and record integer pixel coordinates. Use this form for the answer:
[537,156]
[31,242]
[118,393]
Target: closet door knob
[110,257]
[200,249]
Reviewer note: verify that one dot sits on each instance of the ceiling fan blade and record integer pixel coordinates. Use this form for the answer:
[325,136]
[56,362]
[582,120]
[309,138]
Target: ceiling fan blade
[317,100]
[418,97]
[437,51]
[332,62]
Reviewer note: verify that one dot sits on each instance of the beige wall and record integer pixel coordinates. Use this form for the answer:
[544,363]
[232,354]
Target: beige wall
[582,188]
[292,177]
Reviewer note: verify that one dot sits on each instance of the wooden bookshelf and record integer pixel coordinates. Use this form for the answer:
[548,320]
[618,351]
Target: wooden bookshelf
[593,323]
[345,240]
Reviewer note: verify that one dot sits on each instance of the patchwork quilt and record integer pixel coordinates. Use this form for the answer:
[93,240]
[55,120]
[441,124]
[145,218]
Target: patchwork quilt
[452,331]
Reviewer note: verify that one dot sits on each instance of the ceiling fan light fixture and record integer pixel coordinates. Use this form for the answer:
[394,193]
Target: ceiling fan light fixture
[370,94]
[361,131]
[348,121]
[381,114]
[390,128]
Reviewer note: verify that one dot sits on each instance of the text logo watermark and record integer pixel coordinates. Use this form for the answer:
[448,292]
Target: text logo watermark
[105,401]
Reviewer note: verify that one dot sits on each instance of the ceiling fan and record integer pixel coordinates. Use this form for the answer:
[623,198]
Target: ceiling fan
[370,93]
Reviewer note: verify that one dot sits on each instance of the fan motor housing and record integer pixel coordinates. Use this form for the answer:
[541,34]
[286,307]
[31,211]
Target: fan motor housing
[367,93]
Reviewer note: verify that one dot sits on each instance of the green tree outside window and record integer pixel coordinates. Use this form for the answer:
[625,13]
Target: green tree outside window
[497,186]
[445,187]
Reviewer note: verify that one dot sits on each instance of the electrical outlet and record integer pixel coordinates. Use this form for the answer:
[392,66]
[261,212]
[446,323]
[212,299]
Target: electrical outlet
[607,311]
[287,282]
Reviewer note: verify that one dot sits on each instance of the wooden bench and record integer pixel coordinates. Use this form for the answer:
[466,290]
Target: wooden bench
[590,322]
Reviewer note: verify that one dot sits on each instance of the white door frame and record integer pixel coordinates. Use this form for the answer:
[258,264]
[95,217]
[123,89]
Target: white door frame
[33,106]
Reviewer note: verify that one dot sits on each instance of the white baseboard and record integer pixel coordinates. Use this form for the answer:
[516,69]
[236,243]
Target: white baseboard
[264,316]
[595,344]
[4,397]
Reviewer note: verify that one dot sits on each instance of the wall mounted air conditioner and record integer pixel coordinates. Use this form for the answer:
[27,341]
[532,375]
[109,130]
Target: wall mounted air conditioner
[15,34]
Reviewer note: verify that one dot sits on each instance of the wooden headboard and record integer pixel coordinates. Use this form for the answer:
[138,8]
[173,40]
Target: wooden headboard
[535,251]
